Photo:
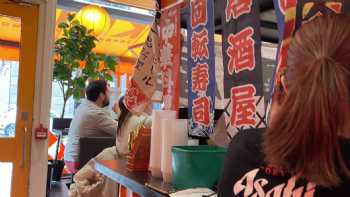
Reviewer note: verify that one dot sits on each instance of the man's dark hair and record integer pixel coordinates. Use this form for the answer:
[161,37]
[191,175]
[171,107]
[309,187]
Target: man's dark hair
[95,88]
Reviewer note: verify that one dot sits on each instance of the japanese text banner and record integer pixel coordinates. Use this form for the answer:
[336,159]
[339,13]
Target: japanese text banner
[170,52]
[144,79]
[201,67]
[241,48]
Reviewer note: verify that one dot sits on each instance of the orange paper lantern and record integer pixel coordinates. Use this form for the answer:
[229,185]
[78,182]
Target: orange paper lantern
[95,18]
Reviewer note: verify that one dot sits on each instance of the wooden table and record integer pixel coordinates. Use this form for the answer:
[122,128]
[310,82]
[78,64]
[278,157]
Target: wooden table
[140,183]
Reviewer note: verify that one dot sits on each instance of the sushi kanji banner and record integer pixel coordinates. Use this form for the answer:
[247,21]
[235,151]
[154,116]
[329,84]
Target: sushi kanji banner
[201,67]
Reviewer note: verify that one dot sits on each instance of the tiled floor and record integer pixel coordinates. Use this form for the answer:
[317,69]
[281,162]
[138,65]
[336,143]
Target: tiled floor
[58,189]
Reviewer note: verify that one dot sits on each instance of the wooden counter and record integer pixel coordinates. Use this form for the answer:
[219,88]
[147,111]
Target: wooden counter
[138,182]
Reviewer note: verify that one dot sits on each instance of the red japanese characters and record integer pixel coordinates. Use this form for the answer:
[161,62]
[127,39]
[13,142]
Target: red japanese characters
[166,54]
[236,8]
[199,14]
[243,105]
[200,96]
[241,51]
[199,42]
[134,96]
[200,77]
[170,51]
[167,82]
[200,110]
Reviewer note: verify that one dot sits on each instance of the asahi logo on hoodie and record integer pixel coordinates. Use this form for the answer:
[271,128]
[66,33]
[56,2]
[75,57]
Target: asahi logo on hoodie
[250,185]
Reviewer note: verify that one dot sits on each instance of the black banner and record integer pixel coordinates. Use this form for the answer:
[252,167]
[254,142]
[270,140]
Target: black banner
[241,49]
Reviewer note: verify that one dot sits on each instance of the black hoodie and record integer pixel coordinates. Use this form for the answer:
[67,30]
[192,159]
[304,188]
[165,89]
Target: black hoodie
[246,174]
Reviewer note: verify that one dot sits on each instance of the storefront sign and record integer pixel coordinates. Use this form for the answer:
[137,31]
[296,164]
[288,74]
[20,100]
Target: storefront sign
[201,67]
[143,82]
[243,84]
[170,55]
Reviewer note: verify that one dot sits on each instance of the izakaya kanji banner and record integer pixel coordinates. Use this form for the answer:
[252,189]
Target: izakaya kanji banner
[170,52]
[143,82]
[291,14]
[201,67]
[241,48]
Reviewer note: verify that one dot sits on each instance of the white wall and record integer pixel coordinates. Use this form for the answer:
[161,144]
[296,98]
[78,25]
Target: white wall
[38,170]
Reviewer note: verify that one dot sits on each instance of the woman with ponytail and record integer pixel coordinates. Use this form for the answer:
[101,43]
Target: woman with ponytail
[306,149]
[89,182]
[128,122]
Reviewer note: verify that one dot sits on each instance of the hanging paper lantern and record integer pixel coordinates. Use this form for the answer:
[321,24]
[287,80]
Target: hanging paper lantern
[95,18]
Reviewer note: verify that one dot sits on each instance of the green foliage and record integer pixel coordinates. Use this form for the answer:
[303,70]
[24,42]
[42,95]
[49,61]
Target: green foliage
[73,47]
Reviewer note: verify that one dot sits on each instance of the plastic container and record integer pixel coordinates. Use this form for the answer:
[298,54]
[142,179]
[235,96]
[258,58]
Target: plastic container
[197,166]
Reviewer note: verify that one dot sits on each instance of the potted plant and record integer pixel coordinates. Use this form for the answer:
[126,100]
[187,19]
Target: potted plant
[74,64]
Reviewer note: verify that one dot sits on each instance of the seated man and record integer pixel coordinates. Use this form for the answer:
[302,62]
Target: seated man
[88,181]
[90,120]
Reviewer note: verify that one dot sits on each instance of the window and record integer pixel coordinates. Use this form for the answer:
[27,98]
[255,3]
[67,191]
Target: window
[8,88]
[57,103]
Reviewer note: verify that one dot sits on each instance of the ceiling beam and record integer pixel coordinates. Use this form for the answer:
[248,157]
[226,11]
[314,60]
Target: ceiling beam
[9,43]
[75,6]
[268,27]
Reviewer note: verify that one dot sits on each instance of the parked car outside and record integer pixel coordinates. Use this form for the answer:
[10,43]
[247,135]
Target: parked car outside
[8,122]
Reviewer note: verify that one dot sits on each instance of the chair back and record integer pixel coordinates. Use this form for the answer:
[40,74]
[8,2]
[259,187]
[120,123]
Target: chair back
[92,146]
[61,123]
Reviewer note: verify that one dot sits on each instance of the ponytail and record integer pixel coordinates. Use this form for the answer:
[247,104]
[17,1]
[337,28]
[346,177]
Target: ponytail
[124,115]
[303,137]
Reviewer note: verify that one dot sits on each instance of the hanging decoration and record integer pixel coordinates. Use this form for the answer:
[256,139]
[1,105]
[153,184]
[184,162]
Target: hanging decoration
[201,67]
[143,83]
[243,83]
[170,55]
[95,18]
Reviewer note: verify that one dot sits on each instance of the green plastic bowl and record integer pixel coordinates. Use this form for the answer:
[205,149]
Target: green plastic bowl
[197,166]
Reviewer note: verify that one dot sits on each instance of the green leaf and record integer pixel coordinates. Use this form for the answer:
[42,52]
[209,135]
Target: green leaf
[101,57]
[93,75]
[63,25]
[81,83]
[75,65]
[76,95]
[110,62]
[69,92]
[70,16]
[65,32]
[83,29]
[74,46]
[108,77]
[75,23]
